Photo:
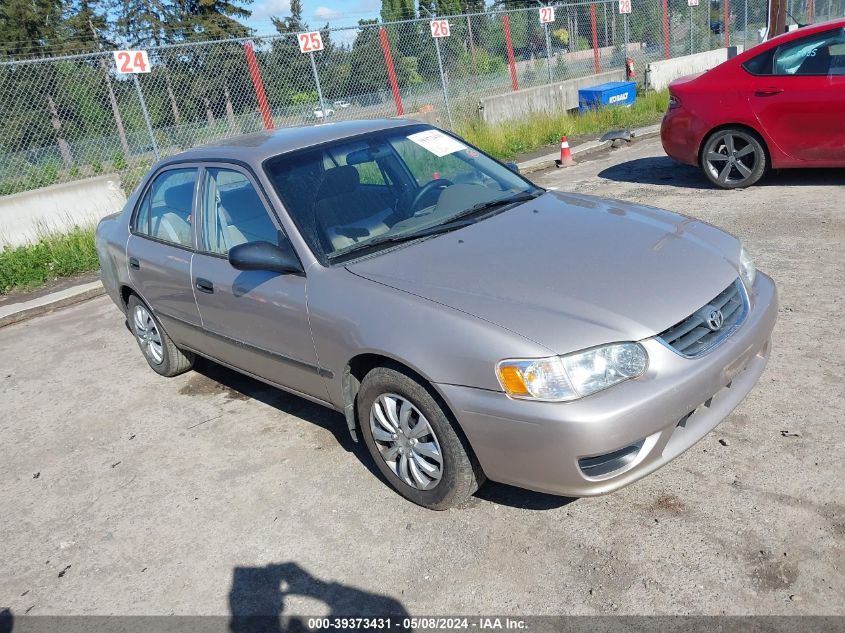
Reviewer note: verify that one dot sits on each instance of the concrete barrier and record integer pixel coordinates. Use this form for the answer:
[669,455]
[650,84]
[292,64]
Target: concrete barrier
[58,208]
[550,98]
[658,75]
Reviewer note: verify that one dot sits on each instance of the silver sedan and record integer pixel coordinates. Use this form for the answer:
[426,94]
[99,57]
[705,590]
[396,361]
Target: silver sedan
[467,323]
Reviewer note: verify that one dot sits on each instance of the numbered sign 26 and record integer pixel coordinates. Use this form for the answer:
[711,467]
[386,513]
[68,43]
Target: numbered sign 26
[310,42]
[439,28]
[547,14]
[128,62]
[624,6]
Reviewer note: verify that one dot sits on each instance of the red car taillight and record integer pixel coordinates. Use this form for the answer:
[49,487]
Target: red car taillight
[674,102]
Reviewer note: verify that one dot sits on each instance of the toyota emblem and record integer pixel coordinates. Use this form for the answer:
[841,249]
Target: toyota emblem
[715,320]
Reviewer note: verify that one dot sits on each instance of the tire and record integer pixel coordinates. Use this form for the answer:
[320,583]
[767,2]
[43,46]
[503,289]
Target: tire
[418,481]
[158,349]
[734,158]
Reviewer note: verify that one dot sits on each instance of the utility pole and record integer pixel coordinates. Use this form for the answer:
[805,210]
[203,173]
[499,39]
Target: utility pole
[777,18]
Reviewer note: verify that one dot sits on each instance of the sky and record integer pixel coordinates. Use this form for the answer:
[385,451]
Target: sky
[315,12]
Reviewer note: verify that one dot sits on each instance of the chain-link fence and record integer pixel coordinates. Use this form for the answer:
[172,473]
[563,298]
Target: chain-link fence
[72,117]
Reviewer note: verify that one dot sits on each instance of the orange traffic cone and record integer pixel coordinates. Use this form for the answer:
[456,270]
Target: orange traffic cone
[565,154]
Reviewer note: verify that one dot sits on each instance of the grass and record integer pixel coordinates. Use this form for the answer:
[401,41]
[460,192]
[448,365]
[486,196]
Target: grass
[507,140]
[54,255]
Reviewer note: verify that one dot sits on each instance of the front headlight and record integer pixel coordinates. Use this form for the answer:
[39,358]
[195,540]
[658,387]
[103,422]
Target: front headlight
[561,378]
[747,270]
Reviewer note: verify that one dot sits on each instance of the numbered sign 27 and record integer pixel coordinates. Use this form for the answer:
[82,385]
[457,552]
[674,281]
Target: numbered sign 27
[624,6]
[128,62]
[440,28]
[310,42]
[547,14]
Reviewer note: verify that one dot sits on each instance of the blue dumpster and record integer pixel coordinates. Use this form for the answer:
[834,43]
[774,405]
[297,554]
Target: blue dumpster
[610,93]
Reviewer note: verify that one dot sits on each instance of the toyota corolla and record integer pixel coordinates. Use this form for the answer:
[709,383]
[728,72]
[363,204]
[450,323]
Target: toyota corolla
[467,323]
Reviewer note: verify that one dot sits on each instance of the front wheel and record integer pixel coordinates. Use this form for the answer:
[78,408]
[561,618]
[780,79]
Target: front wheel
[413,442]
[733,158]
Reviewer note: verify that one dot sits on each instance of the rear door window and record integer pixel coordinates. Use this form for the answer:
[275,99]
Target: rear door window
[165,213]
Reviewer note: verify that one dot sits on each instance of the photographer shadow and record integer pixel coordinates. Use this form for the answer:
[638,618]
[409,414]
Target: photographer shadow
[257,599]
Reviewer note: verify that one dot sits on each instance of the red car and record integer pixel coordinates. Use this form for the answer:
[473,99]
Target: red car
[778,105]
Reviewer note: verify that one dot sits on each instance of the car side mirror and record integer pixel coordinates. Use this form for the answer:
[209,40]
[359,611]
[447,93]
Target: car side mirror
[279,258]
[513,167]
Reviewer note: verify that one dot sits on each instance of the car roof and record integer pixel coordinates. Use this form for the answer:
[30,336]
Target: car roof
[257,147]
[783,38]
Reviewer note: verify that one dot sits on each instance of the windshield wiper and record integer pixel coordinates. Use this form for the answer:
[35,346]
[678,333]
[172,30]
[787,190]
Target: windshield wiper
[525,196]
[403,237]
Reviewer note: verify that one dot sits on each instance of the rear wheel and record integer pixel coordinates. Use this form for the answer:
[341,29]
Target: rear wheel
[159,350]
[413,442]
[733,158]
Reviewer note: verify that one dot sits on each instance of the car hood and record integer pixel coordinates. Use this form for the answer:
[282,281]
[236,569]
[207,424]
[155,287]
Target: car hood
[568,271]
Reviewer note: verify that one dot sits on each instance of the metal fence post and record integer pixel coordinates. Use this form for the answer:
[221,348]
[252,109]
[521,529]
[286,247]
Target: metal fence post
[317,83]
[548,50]
[727,24]
[667,50]
[594,28]
[690,29]
[506,27]
[146,115]
[258,85]
[391,71]
[625,30]
[443,83]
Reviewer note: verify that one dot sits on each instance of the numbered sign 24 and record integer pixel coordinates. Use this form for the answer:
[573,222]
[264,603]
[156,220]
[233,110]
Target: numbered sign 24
[440,28]
[128,62]
[624,6]
[547,14]
[310,42]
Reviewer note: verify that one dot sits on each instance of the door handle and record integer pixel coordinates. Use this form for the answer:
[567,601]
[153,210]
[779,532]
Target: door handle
[768,92]
[134,264]
[204,285]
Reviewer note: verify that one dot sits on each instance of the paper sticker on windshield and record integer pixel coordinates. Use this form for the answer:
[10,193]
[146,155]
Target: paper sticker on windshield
[437,142]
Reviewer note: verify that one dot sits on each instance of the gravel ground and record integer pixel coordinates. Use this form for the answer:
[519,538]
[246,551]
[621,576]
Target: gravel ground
[126,493]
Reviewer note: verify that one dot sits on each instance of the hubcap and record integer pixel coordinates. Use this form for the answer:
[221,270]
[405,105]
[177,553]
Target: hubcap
[406,441]
[148,335]
[732,158]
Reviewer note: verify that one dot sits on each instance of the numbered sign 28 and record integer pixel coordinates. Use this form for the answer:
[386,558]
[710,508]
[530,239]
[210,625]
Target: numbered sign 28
[547,14]
[440,28]
[624,6]
[310,42]
[128,62]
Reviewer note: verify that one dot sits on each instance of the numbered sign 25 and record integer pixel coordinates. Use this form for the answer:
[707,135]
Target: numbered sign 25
[440,28]
[624,6]
[547,14]
[128,62]
[310,42]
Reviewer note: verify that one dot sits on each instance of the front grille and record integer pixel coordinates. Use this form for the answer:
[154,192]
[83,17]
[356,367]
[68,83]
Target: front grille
[693,336]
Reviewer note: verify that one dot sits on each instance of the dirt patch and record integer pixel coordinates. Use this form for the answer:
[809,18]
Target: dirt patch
[669,503]
[772,572]
[199,385]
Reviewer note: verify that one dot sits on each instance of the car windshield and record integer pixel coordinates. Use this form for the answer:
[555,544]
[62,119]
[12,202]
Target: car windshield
[368,192]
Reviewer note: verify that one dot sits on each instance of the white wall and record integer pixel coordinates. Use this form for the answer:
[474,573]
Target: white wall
[58,207]
[658,75]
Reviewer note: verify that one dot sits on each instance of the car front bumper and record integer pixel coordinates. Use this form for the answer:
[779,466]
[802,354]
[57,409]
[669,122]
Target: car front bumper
[546,446]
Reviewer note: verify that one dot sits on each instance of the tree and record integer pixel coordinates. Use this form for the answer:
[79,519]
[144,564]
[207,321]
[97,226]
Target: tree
[214,19]
[27,27]
[147,22]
